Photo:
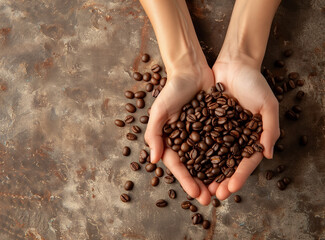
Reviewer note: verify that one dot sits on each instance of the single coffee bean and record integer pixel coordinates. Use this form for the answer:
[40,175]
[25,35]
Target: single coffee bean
[155,93]
[279,147]
[303,140]
[215,202]
[300,95]
[169,179]
[197,218]
[143,154]
[161,203]
[279,63]
[286,180]
[140,94]
[155,68]
[128,185]
[206,224]
[282,133]
[300,82]
[129,94]
[144,119]
[220,87]
[129,119]
[150,167]
[291,84]
[126,151]
[154,81]
[119,123]
[237,199]
[159,172]
[140,103]
[279,97]
[168,172]
[131,137]
[172,193]
[278,89]
[296,109]
[280,168]
[291,115]
[269,174]
[189,197]
[146,77]
[137,76]
[130,107]
[186,205]
[149,87]
[258,147]
[293,76]
[288,53]
[154,181]
[193,208]
[135,166]
[145,58]
[281,185]
[163,81]
[125,198]
[136,129]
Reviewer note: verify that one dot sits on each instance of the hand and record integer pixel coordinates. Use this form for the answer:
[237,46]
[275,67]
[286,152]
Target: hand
[181,87]
[244,81]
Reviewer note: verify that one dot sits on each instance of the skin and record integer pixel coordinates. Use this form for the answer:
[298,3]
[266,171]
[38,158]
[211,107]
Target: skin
[237,67]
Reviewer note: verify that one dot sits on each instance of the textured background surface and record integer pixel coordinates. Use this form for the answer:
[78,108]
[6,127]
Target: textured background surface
[64,66]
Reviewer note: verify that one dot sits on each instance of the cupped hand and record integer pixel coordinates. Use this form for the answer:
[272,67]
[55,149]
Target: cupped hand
[244,81]
[181,87]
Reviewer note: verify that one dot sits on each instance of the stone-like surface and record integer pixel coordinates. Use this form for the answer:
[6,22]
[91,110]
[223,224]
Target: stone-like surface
[64,66]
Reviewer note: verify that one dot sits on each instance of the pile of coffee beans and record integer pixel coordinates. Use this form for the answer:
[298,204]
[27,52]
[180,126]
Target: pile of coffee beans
[213,134]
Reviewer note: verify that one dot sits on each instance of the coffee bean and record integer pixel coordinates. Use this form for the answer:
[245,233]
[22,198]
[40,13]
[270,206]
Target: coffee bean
[293,75]
[128,185]
[159,172]
[145,58]
[137,76]
[279,147]
[146,77]
[269,174]
[189,197]
[144,119]
[150,167]
[237,199]
[135,166]
[169,179]
[154,81]
[279,97]
[168,172]
[193,208]
[161,203]
[197,218]
[291,115]
[282,133]
[163,81]
[258,147]
[281,185]
[288,53]
[220,87]
[215,202]
[303,140]
[172,193]
[286,180]
[154,181]
[280,168]
[136,129]
[119,123]
[279,63]
[278,89]
[131,137]
[300,82]
[291,84]
[296,109]
[140,103]
[140,94]
[143,154]
[155,68]
[155,93]
[125,198]
[129,94]
[300,95]
[206,224]
[130,107]
[129,119]
[126,151]
[186,205]
[149,87]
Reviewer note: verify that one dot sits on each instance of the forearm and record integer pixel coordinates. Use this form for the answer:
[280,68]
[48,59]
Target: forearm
[175,33]
[248,31]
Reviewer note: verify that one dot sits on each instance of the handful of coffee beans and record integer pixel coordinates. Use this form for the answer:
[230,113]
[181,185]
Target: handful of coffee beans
[213,134]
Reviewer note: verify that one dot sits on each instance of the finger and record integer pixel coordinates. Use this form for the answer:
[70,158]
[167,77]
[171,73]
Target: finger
[153,135]
[222,191]
[172,162]
[244,170]
[271,130]
[204,198]
[213,188]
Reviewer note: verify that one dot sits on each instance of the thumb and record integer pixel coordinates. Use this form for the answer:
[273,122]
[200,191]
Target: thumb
[271,129]
[153,135]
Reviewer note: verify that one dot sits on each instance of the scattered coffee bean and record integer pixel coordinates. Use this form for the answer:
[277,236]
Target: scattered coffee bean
[155,68]
[129,119]
[193,208]
[290,114]
[216,202]
[286,180]
[130,107]
[129,94]
[136,129]
[197,218]
[131,137]
[269,174]
[293,75]
[279,147]
[150,167]
[291,84]
[128,185]
[163,81]
[281,185]
[144,119]
[169,179]
[237,199]
[119,123]
[140,103]
[146,77]
[137,76]
[220,87]
[154,181]
[300,95]
[126,151]
[161,203]
[279,63]
[303,140]
[296,109]
[155,93]
[135,166]
[206,224]
[145,58]
[282,133]
[172,193]
[149,87]
[140,94]
[287,53]
[300,82]
[125,198]
[189,197]
[186,205]
[168,172]
[159,172]
[280,168]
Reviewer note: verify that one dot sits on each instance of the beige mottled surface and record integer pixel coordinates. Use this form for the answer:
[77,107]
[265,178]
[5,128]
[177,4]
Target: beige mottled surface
[64,66]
